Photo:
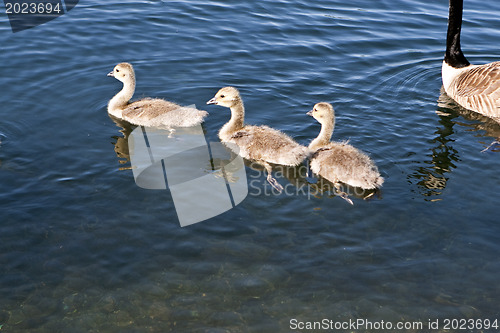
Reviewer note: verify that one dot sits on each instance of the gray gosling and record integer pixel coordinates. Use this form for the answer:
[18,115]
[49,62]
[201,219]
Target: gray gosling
[261,144]
[149,112]
[340,162]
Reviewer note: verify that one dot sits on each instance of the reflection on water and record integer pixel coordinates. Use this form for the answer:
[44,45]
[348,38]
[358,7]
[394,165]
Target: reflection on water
[121,142]
[205,179]
[83,248]
[484,126]
[296,182]
[295,179]
[431,178]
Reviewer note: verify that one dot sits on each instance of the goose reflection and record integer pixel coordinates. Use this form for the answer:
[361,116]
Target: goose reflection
[431,178]
[324,187]
[204,178]
[485,126]
[300,184]
[182,167]
[120,142]
[294,175]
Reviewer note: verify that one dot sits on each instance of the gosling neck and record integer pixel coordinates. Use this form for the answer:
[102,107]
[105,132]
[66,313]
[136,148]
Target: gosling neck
[324,135]
[121,99]
[235,123]
[454,55]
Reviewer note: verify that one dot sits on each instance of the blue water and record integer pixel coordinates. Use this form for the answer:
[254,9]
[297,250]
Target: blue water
[83,249]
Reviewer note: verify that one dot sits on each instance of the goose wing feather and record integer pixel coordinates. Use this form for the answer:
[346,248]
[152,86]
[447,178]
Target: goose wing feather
[478,89]
[479,80]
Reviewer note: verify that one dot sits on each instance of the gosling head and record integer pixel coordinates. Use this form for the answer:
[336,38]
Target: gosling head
[123,72]
[227,96]
[322,112]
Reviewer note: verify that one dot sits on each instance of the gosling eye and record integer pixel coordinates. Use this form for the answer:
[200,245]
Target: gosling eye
[117,70]
[222,96]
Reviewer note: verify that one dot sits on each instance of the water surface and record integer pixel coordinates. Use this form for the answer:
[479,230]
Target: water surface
[83,249]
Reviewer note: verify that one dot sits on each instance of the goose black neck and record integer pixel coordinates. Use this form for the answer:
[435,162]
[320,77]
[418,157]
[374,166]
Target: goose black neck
[454,56]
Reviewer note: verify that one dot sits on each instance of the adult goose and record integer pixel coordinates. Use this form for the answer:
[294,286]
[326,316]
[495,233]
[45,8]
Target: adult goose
[474,87]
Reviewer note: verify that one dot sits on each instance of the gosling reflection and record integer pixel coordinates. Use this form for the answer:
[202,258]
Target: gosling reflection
[299,184]
[294,175]
[204,179]
[324,187]
[218,162]
[120,142]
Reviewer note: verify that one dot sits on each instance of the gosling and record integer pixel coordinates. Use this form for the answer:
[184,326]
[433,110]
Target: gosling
[340,162]
[261,144]
[149,112]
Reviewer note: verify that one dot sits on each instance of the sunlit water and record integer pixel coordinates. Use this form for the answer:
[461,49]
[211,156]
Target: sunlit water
[83,249]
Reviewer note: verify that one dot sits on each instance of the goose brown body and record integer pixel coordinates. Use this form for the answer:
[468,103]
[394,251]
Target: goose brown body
[474,87]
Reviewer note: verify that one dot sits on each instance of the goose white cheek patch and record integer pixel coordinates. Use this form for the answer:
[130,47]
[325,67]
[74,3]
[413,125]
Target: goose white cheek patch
[205,180]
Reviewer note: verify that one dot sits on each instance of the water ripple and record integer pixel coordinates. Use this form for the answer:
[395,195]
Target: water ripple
[83,246]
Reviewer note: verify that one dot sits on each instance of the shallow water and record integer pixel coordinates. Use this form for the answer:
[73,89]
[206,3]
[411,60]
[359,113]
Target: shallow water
[83,249]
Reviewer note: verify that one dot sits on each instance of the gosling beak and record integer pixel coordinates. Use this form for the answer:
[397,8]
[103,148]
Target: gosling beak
[212,101]
[111,74]
[310,113]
